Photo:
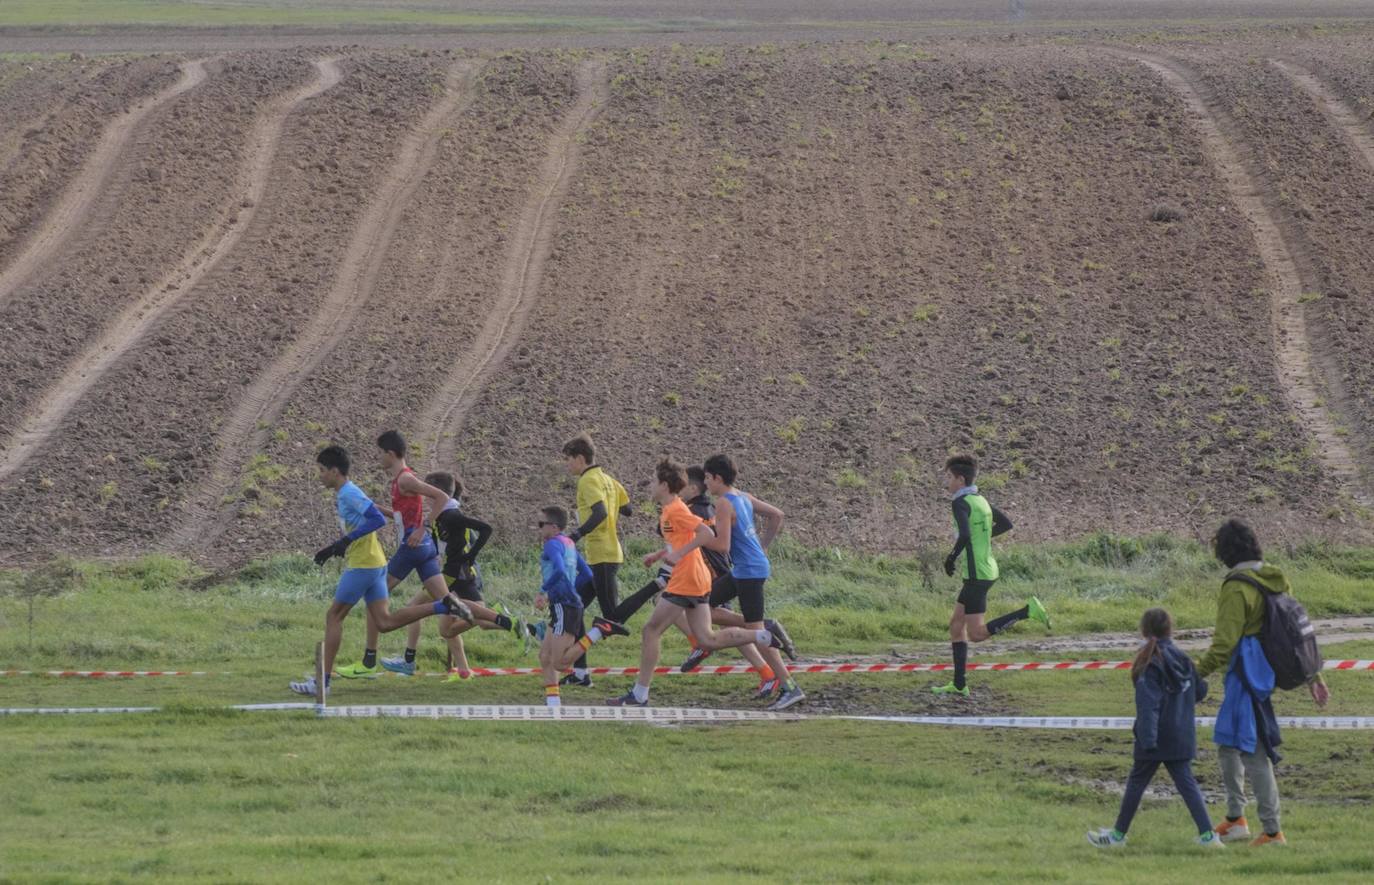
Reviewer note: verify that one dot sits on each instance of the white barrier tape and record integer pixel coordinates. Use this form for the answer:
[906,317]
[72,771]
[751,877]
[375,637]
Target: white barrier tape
[523,713]
[1112,723]
[668,715]
[728,670]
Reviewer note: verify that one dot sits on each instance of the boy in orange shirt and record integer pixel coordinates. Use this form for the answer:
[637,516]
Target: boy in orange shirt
[689,589]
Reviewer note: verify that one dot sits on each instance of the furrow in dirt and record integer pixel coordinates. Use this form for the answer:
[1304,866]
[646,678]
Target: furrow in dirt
[528,250]
[1352,126]
[245,430]
[135,321]
[77,199]
[1280,254]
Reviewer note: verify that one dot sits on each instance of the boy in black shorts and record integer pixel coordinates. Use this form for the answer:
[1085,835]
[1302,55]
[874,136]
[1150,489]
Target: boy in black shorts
[459,538]
[976,523]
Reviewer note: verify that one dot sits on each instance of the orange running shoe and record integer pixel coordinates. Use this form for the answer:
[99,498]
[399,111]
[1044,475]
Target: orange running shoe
[1266,839]
[1233,830]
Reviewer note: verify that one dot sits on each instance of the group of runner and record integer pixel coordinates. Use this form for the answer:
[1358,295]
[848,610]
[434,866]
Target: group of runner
[714,559]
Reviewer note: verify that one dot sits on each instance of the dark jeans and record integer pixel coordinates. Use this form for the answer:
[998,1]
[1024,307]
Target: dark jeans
[1181,770]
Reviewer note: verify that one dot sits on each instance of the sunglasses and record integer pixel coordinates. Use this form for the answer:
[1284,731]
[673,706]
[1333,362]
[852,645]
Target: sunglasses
[544,522]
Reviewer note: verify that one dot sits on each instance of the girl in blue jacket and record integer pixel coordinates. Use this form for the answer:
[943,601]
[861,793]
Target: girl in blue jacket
[1167,688]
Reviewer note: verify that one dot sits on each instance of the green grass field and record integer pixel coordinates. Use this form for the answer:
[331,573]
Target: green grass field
[195,793]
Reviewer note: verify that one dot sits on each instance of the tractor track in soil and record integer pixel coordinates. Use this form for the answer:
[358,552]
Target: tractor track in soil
[519,291]
[138,319]
[241,434]
[1333,107]
[1281,251]
[81,194]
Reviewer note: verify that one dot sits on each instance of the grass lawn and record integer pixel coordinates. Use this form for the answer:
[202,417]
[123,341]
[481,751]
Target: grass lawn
[195,793]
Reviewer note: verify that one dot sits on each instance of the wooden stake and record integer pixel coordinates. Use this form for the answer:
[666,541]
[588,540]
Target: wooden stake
[319,673]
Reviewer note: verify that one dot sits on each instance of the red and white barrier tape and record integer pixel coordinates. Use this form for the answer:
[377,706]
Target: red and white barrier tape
[727,670]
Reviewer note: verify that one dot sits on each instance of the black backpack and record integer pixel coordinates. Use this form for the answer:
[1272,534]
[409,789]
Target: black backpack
[1288,638]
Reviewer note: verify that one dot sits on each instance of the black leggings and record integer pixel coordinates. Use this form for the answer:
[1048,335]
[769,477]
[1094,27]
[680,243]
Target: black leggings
[607,590]
[1181,771]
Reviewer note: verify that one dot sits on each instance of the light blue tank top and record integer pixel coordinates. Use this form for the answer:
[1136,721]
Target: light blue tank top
[746,553]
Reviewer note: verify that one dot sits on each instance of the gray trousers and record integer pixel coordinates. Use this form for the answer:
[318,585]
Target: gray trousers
[1235,768]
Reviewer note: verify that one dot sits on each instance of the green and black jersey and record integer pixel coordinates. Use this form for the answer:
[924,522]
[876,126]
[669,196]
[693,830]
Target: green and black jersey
[977,523]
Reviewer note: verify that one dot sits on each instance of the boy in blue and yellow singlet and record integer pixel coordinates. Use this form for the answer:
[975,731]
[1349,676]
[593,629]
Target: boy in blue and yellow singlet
[364,575]
[976,523]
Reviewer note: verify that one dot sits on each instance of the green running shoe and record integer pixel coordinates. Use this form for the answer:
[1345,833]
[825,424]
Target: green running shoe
[358,671]
[948,688]
[1035,610]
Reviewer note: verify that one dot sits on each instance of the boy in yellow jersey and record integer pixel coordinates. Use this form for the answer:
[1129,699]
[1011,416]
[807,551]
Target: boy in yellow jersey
[601,500]
[688,591]
[364,576]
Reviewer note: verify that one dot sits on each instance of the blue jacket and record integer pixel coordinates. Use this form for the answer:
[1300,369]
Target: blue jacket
[1246,719]
[1166,695]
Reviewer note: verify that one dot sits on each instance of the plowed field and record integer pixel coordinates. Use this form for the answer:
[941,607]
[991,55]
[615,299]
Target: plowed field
[1133,277]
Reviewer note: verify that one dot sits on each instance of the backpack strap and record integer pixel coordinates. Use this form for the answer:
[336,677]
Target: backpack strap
[1248,578]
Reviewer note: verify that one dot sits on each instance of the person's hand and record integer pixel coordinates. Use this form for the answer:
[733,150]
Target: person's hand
[1320,693]
[950,562]
[652,558]
[416,538]
[338,548]
[541,602]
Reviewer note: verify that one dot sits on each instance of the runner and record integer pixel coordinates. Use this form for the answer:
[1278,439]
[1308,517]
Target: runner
[600,501]
[977,523]
[458,538]
[415,550]
[564,639]
[737,534]
[688,590]
[364,567]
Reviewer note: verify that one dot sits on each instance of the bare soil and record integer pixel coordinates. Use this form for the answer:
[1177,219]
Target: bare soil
[837,261]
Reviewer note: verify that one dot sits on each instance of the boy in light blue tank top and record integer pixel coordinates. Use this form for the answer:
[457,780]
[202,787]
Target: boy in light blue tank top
[737,534]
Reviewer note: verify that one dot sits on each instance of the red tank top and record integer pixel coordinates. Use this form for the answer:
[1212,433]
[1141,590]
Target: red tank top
[411,507]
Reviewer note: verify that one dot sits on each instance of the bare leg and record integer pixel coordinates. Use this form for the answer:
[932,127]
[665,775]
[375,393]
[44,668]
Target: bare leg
[389,620]
[664,615]
[333,633]
[373,633]
[699,619]
[768,654]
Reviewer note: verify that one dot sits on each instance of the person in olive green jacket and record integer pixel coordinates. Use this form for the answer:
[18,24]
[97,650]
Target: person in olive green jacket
[1240,613]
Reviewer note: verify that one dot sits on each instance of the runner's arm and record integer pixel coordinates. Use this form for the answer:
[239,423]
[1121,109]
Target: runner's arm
[725,521]
[772,520]
[622,499]
[464,523]
[703,535]
[961,512]
[372,520]
[1001,523]
[597,517]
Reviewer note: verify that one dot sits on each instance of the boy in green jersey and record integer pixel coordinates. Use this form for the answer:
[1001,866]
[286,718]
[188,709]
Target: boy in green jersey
[977,522]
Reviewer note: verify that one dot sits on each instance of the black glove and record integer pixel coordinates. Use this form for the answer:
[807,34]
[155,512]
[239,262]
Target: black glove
[338,548]
[574,536]
[950,562]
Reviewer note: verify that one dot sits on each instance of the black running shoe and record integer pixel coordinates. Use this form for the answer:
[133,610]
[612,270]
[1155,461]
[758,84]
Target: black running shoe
[574,679]
[609,627]
[694,659]
[784,641]
[628,699]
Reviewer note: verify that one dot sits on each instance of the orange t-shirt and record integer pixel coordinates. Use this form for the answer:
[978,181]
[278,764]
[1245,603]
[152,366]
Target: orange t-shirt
[690,575]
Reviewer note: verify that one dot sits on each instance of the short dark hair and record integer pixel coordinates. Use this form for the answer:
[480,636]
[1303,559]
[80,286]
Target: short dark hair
[722,466]
[963,466]
[556,515]
[446,482]
[696,477]
[1235,543]
[580,445]
[334,456]
[671,472]
[392,441]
